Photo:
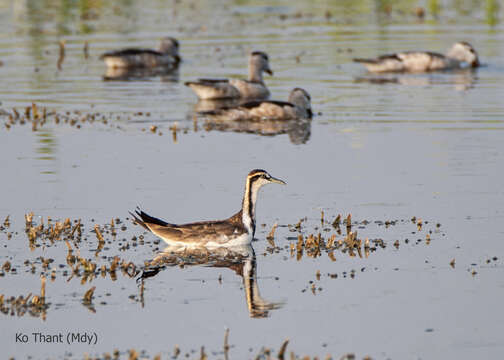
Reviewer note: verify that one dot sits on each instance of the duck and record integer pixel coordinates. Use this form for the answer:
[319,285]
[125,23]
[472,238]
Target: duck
[460,55]
[167,55]
[236,230]
[253,88]
[298,106]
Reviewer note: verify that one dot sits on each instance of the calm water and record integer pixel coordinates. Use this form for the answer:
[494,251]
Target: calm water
[381,148]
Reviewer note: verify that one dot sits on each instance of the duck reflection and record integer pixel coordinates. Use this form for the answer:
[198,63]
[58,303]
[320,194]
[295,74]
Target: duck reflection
[463,79]
[167,74]
[218,115]
[203,106]
[241,260]
[299,130]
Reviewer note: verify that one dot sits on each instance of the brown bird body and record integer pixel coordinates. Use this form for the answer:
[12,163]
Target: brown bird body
[236,230]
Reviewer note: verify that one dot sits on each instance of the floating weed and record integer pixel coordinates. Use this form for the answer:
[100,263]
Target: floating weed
[133,354]
[6,222]
[330,241]
[42,288]
[309,240]
[101,240]
[323,241]
[176,351]
[61,57]
[331,256]
[86,49]
[174,130]
[49,233]
[226,344]
[281,352]
[203,355]
[271,235]
[337,221]
[99,235]
[264,353]
[6,266]
[348,224]
[87,299]
[39,117]
[19,306]
[29,219]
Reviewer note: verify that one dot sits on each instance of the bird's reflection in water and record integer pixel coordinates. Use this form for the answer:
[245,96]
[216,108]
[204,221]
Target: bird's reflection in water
[167,74]
[241,260]
[463,79]
[211,105]
[299,130]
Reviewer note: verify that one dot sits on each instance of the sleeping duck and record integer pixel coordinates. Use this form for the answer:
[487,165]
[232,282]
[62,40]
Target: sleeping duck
[253,88]
[460,55]
[297,107]
[167,55]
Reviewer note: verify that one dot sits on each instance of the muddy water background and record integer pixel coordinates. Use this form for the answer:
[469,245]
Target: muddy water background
[416,145]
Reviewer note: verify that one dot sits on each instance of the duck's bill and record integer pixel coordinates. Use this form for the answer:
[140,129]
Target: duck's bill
[277,181]
[269,71]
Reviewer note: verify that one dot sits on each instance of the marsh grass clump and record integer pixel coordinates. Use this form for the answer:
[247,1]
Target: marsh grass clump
[41,117]
[48,233]
[330,240]
[35,306]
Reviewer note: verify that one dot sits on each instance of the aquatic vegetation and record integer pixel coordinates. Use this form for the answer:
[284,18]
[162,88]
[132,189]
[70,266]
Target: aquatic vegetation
[44,118]
[200,352]
[90,252]
[35,305]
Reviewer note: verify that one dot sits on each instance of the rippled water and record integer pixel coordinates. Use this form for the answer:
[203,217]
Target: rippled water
[381,148]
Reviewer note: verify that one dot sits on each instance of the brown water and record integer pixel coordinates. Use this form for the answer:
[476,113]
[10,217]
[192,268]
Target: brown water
[382,149]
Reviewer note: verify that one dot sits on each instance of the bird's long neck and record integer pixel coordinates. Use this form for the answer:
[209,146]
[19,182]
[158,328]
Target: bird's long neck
[255,72]
[248,204]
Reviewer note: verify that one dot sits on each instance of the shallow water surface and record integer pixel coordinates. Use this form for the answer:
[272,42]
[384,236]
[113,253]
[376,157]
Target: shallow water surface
[385,149]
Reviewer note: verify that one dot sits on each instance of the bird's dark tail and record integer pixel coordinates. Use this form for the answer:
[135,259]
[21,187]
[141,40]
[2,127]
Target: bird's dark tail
[142,218]
[137,220]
